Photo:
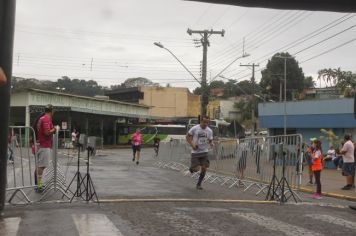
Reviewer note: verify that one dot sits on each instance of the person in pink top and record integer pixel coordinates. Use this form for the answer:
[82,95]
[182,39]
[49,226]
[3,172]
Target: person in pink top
[136,141]
[45,130]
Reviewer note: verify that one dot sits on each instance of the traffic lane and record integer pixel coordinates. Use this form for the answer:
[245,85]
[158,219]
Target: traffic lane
[179,218]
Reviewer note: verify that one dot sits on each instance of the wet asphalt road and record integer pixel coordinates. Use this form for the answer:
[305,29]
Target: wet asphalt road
[116,177]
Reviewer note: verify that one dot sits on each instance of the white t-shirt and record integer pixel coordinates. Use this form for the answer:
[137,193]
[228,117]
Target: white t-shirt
[331,154]
[348,157]
[74,137]
[201,138]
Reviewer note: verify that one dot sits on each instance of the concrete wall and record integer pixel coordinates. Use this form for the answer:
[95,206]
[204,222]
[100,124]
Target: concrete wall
[225,107]
[193,105]
[228,111]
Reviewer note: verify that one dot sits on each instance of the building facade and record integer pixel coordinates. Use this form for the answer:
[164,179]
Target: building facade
[224,109]
[163,102]
[309,117]
[88,115]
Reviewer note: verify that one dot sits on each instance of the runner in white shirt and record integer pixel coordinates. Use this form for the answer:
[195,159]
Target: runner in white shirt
[200,137]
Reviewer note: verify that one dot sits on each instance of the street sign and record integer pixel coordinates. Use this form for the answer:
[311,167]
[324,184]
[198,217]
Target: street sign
[64,125]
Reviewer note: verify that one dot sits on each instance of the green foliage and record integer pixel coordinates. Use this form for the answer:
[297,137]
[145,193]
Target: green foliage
[330,137]
[343,80]
[309,82]
[273,76]
[139,81]
[64,84]
[233,88]
[245,108]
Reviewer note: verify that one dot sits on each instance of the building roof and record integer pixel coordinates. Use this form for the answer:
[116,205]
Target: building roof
[312,5]
[80,96]
[121,90]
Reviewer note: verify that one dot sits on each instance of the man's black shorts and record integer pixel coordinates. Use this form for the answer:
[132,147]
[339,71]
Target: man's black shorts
[200,159]
[136,148]
[348,169]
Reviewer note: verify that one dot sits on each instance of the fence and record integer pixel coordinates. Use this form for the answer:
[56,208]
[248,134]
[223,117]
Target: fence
[246,163]
[21,163]
[22,167]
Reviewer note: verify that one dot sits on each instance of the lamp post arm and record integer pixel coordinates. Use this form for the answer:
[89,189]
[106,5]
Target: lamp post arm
[228,66]
[182,65]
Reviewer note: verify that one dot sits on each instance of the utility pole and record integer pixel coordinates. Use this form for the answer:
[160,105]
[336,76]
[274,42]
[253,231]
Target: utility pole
[253,92]
[285,92]
[7,25]
[205,42]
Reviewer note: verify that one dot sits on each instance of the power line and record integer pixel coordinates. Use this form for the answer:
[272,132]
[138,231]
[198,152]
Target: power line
[102,34]
[203,14]
[308,36]
[266,37]
[255,32]
[330,50]
[221,16]
[326,39]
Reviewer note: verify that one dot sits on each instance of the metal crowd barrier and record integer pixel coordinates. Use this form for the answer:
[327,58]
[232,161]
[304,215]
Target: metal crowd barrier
[54,178]
[22,165]
[244,163]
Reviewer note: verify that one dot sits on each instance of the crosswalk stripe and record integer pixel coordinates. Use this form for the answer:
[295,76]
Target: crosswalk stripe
[276,225]
[95,225]
[10,226]
[334,220]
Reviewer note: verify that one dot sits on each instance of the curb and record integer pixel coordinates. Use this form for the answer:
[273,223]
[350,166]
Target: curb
[123,200]
[330,194]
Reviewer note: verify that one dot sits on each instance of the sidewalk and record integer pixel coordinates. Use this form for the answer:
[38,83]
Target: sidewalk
[331,183]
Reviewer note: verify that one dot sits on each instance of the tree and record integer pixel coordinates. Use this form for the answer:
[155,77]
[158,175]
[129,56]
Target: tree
[75,86]
[232,88]
[273,76]
[139,81]
[345,81]
[244,107]
[217,84]
[309,82]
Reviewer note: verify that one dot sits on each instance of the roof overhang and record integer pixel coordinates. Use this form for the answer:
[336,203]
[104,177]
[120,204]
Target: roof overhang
[310,5]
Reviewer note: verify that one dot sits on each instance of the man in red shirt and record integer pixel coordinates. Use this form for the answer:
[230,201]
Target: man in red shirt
[45,130]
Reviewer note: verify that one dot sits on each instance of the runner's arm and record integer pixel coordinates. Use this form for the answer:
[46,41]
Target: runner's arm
[189,138]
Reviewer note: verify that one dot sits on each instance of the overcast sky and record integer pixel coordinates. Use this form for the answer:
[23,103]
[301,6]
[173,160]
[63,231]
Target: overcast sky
[112,40]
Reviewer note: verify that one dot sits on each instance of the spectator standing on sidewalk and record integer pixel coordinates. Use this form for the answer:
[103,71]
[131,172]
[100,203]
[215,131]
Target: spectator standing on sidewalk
[348,168]
[45,130]
[74,138]
[308,156]
[317,157]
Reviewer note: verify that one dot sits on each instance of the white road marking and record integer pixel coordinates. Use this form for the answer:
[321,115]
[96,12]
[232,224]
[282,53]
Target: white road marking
[275,225]
[9,226]
[187,225]
[95,225]
[334,220]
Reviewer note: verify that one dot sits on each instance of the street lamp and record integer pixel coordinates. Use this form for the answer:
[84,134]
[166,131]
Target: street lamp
[161,46]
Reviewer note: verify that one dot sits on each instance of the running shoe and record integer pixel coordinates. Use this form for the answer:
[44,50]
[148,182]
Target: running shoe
[199,187]
[346,187]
